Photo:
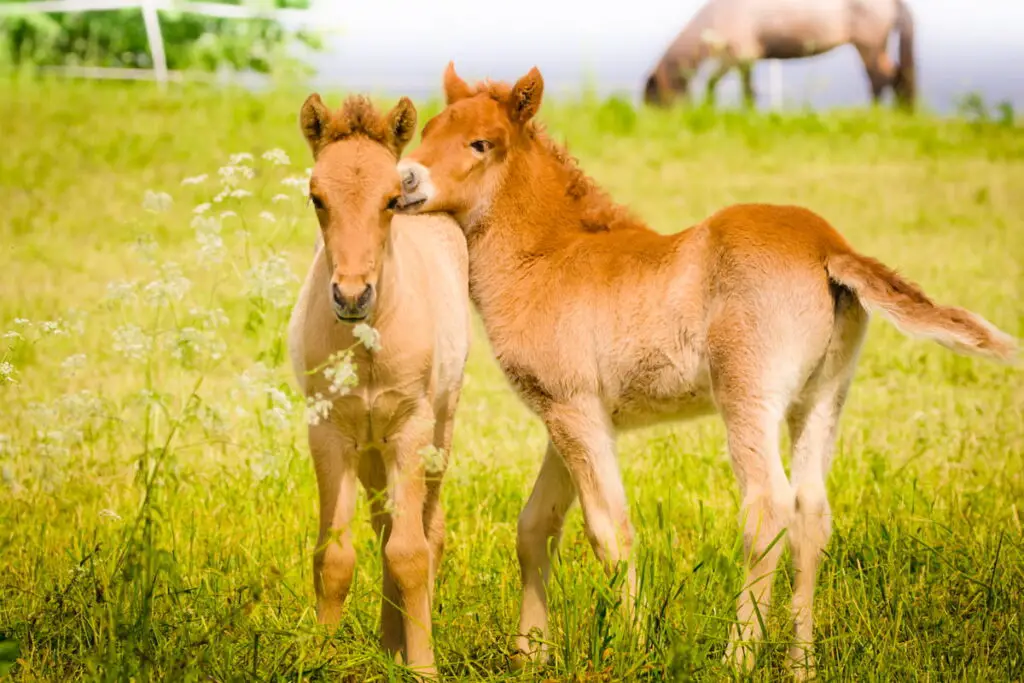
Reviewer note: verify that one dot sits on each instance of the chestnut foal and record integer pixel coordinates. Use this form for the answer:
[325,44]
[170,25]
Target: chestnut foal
[407,276]
[600,323]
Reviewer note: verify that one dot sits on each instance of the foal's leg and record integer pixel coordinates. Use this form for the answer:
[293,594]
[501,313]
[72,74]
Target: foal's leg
[433,511]
[335,462]
[813,424]
[585,438]
[541,522]
[753,414]
[407,552]
[371,473]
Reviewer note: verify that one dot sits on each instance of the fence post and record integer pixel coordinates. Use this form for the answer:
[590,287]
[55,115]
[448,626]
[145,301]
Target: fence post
[156,42]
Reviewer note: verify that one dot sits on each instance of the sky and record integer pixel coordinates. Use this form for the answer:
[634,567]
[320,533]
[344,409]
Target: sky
[393,47]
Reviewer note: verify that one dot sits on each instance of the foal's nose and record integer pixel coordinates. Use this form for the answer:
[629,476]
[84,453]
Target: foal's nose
[350,302]
[410,180]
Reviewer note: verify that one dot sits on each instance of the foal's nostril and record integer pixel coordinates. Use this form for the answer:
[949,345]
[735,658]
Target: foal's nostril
[364,298]
[409,181]
[339,298]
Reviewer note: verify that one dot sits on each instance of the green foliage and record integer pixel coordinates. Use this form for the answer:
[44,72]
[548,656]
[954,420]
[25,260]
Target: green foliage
[117,38]
[158,512]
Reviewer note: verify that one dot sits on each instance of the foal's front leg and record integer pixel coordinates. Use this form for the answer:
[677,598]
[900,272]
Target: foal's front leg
[407,553]
[583,435]
[335,461]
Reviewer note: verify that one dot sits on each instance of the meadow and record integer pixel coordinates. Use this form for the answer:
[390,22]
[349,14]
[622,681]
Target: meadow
[157,501]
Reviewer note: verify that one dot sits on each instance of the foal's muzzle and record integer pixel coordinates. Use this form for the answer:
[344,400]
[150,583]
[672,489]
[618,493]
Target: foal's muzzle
[416,186]
[349,308]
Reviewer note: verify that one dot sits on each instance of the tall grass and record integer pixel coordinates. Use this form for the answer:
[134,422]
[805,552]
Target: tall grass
[157,509]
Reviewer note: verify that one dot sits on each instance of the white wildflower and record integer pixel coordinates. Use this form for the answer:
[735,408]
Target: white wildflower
[278,414]
[268,217]
[271,281]
[22,321]
[156,202]
[171,286]
[300,182]
[433,459]
[191,345]
[211,244]
[317,409]
[228,214]
[54,327]
[121,290]
[7,372]
[147,247]
[209,318]
[196,179]
[369,337]
[239,193]
[111,515]
[232,175]
[202,208]
[280,198]
[13,334]
[131,342]
[341,372]
[71,365]
[240,158]
[221,196]
[278,157]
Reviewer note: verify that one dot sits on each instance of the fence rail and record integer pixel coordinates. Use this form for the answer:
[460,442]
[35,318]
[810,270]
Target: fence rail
[151,17]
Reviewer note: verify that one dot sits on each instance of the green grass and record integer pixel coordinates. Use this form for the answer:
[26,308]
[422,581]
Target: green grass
[157,516]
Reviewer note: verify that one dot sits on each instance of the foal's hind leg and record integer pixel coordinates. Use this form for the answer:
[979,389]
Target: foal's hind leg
[813,423]
[540,523]
[753,409]
[371,473]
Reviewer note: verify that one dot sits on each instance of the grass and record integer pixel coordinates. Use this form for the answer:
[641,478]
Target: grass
[158,506]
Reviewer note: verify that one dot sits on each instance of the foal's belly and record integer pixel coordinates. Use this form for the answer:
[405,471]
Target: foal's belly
[646,411]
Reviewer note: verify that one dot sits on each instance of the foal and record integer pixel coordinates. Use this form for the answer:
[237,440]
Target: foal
[600,323]
[407,276]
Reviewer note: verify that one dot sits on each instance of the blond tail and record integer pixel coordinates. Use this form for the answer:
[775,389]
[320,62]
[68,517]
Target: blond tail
[881,289]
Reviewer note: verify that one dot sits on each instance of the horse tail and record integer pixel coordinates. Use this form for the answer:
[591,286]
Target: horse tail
[905,84]
[881,289]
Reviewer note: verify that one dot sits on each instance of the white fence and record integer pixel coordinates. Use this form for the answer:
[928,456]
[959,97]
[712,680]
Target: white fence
[151,17]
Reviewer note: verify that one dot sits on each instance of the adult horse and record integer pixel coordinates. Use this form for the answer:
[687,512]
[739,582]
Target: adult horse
[737,33]
[602,324]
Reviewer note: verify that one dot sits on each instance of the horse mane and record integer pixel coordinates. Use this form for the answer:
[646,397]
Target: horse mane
[600,213]
[357,116]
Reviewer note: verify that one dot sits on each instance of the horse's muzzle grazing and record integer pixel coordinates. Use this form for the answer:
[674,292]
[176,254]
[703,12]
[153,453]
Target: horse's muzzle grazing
[352,309]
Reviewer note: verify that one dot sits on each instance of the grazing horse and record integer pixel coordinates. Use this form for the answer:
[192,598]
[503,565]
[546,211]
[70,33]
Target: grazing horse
[737,33]
[602,324]
[407,276]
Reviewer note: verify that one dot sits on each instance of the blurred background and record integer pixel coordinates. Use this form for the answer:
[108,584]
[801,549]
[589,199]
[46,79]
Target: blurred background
[968,52]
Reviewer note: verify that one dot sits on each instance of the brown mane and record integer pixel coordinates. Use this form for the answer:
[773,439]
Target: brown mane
[600,213]
[356,117]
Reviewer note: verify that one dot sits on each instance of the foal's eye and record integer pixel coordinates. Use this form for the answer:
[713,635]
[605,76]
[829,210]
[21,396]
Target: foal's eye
[317,204]
[480,146]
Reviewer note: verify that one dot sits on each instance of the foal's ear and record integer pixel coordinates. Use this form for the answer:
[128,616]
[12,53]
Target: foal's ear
[455,88]
[401,125]
[313,118]
[524,101]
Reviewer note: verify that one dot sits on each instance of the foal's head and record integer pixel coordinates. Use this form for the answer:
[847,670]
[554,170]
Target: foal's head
[466,149]
[355,189]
